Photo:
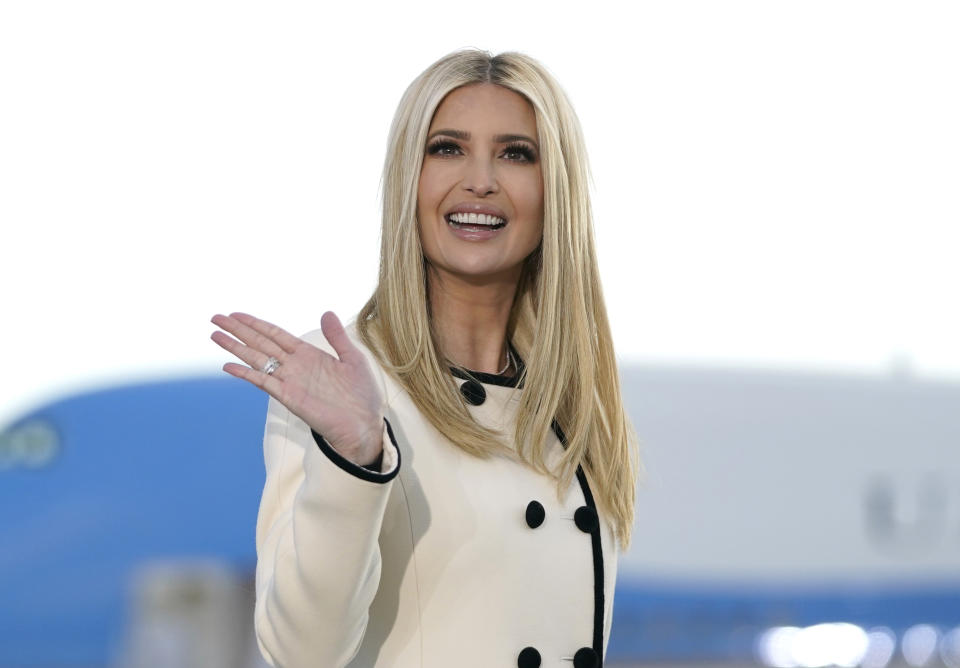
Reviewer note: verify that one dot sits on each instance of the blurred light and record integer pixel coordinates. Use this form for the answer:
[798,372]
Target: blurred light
[881,643]
[830,645]
[950,648]
[189,614]
[32,445]
[820,645]
[775,646]
[919,644]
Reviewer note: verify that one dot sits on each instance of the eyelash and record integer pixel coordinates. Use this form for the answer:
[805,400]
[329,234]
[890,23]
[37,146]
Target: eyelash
[523,150]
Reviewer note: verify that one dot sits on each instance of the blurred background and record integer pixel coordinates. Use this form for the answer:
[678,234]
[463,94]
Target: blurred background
[776,201]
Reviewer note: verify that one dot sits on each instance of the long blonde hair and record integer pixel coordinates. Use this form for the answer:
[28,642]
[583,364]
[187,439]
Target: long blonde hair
[558,322]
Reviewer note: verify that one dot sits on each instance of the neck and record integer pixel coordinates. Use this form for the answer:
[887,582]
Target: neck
[470,319]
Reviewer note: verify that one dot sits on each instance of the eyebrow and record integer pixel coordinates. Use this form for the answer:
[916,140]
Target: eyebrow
[499,139]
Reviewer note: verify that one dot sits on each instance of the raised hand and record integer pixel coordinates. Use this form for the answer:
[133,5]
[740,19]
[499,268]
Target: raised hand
[338,398]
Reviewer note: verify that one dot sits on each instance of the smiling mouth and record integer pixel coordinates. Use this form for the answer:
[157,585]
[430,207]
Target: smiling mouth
[475,221]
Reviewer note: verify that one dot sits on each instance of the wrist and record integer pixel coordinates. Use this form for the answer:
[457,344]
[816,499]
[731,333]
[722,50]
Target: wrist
[364,447]
[390,458]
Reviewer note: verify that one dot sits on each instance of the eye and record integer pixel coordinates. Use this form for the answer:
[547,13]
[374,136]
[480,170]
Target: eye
[519,153]
[443,148]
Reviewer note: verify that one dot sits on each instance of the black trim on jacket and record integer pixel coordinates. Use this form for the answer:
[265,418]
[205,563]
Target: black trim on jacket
[596,543]
[356,469]
[493,378]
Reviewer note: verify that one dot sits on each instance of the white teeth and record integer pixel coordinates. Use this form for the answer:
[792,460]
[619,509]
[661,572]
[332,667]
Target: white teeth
[475,219]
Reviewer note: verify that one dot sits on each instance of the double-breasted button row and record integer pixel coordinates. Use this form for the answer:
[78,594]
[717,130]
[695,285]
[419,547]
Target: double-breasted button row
[585,657]
[473,392]
[535,514]
[584,517]
[529,658]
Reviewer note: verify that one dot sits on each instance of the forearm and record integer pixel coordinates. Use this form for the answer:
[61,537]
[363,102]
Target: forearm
[318,565]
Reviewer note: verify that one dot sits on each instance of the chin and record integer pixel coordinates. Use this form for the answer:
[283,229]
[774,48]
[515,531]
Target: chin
[479,270]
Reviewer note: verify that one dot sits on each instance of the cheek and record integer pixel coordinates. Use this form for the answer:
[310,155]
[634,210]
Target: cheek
[426,232]
[431,189]
[422,196]
[530,198]
[425,204]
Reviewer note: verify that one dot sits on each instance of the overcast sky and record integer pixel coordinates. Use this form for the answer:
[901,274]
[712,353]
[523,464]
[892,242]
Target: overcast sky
[776,183]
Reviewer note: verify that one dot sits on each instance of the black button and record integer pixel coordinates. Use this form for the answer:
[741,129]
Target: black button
[585,518]
[473,392]
[535,514]
[586,658]
[529,658]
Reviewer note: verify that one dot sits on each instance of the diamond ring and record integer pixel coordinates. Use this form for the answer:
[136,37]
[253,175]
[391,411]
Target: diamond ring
[272,365]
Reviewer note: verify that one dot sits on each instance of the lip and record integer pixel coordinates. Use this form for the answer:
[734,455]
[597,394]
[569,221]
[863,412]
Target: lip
[474,235]
[477,207]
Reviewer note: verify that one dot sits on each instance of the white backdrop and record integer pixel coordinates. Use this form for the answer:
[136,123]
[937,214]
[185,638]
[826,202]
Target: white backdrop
[776,182]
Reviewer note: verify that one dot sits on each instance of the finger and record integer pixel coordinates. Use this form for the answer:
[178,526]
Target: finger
[337,336]
[287,341]
[248,335]
[255,358]
[269,384]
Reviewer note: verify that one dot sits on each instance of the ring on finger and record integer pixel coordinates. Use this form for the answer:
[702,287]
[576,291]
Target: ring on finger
[271,365]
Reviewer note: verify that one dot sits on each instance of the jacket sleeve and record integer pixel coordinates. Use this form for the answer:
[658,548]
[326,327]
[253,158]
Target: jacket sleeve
[318,557]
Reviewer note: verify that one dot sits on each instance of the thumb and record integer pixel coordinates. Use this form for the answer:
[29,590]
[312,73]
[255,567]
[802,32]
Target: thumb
[337,336]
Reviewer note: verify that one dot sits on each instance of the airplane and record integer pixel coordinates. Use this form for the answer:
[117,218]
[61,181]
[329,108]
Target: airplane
[784,519]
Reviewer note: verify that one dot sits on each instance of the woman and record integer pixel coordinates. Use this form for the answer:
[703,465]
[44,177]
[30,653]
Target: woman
[450,477]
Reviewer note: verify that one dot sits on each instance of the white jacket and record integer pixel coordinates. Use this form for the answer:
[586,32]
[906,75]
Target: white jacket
[441,560]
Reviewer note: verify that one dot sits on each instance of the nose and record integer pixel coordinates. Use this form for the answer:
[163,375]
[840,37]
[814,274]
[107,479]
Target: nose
[480,177]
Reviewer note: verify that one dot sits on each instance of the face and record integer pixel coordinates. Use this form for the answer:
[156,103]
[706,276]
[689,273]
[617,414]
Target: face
[480,198]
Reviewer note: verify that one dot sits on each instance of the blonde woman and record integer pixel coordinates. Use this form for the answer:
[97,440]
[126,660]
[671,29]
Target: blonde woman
[450,476]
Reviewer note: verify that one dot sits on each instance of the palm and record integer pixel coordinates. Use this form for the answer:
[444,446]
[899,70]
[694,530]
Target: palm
[336,396]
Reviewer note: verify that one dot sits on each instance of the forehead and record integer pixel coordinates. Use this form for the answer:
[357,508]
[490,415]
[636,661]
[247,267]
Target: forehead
[485,106]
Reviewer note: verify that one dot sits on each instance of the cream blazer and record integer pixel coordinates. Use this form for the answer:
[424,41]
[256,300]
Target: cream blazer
[441,559]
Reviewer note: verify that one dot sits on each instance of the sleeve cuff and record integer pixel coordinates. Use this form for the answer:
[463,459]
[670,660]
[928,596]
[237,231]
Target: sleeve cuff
[389,458]
[376,465]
